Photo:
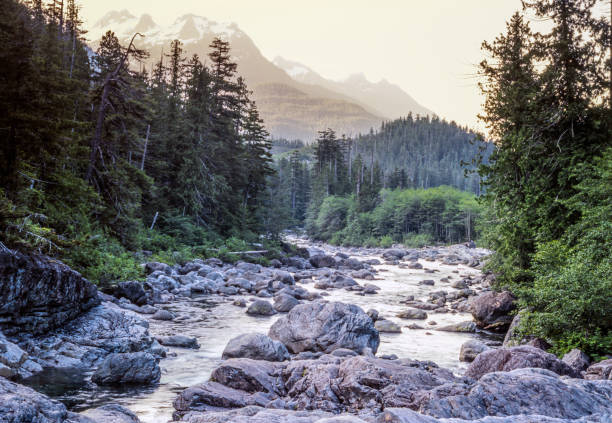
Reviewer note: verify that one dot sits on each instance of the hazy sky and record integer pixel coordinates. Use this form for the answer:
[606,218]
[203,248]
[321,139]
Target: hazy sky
[428,47]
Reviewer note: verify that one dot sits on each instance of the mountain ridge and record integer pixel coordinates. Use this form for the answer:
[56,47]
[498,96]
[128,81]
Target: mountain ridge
[291,108]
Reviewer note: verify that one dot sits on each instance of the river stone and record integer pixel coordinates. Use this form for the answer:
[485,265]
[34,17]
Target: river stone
[470,349]
[284,277]
[363,274]
[162,315]
[109,413]
[261,308]
[131,368]
[321,260]
[492,309]
[38,293]
[325,327]
[154,266]
[415,265]
[388,326]
[256,346]
[133,291]
[506,359]
[394,253]
[284,303]
[412,313]
[181,341]
[463,327]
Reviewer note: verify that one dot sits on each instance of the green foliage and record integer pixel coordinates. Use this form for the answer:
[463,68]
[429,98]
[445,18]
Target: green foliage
[93,153]
[416,217]
[547,103]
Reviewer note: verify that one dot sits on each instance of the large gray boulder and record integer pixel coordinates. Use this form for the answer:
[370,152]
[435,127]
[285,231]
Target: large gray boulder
[128,368]
[38,294]
[256,346]
[492,309]
[524,356]
[325,327]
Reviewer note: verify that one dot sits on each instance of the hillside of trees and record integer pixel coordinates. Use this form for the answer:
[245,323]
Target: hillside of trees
[549,181]
[101,156]
[423,152]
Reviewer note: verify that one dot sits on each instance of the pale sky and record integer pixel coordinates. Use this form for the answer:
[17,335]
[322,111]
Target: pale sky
[428,47]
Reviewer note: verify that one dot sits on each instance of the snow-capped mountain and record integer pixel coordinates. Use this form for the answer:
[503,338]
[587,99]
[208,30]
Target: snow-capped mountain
[381,98]
[294,101]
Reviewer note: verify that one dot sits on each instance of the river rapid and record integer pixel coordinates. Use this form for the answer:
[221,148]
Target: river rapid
[214,320]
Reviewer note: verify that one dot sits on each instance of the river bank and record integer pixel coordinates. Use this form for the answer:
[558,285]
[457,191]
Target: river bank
[208,303]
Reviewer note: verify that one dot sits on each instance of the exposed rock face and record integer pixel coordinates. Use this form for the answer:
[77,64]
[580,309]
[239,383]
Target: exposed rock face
[330,383]
[530,392]
[256,346]
[122,368]
[255,414]
[21,404]
[506,359]
[88,339]
[492,309]
[38,294]
[325,327]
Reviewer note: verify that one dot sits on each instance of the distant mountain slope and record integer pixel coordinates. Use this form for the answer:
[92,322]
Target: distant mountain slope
[382,98]
[290,108]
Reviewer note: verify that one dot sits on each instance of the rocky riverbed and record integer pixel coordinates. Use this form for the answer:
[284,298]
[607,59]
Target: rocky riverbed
[334,335]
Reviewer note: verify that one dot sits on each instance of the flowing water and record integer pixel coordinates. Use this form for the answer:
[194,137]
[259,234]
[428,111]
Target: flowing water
[214,321]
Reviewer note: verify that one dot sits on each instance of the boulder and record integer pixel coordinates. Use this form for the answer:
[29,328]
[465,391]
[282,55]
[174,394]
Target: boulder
[261,308]
[353,264]
[284,303]
[363,274]
[325,327]
[599,371]
[180,341]
[256,346]
[470,349]
[577,359]
[415,265]
[128,368]
[506,359]
[412,313]
[38,293]
[321,260]
[492,310]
